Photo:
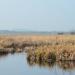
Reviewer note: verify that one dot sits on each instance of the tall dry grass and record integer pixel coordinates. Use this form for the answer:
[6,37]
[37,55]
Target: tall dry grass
[57,47]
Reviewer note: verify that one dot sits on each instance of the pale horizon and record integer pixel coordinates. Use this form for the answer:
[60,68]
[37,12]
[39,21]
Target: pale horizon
[40,15]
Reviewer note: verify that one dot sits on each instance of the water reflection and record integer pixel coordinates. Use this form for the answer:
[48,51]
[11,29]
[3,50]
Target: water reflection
[17,64]
[3,55]
[65,65]
[40,63]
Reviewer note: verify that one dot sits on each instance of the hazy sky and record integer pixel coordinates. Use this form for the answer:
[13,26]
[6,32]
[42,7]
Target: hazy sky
[37,15]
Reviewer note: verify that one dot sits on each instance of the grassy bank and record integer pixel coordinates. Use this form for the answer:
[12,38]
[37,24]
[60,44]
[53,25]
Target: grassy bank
[44,48]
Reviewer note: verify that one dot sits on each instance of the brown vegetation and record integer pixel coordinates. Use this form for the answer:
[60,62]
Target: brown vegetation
[44,48]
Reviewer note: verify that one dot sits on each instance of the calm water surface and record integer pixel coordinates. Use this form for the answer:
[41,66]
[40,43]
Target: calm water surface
[17,64]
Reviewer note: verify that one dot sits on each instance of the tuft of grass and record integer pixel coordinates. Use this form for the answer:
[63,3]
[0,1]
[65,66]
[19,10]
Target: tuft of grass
[42,55]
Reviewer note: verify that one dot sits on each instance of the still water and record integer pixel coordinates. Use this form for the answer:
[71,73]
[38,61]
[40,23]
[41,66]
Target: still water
[17,64]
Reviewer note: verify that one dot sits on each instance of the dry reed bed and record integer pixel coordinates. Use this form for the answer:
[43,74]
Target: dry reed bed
[44,48]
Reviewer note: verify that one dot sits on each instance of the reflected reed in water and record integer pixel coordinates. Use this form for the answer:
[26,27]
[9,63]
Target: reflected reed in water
[40,63]
[65,65]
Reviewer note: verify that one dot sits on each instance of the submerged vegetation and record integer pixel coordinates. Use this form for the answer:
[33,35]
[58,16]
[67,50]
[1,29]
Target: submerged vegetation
[40,48]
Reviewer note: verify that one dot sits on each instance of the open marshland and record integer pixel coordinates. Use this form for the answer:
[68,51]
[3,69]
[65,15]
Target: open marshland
[40,47]
[37,54]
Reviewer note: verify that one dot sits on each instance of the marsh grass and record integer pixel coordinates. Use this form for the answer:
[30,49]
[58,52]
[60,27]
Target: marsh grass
[44,48]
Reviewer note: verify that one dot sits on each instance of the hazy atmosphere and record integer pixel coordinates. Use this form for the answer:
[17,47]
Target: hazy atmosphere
[37,37]
[37,15]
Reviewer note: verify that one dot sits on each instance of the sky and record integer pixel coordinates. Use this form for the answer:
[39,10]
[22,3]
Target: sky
[37,15]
